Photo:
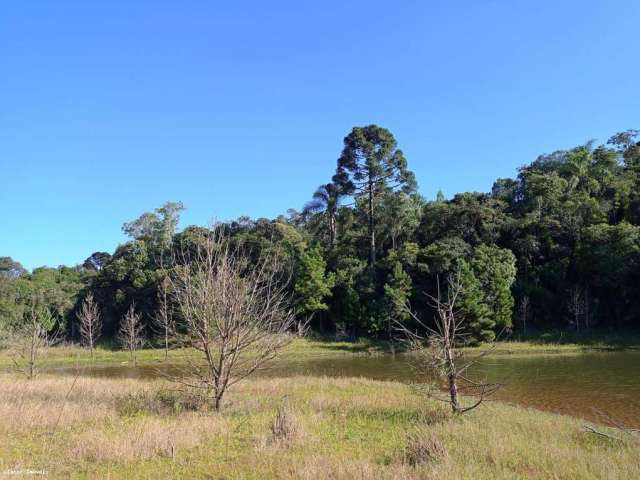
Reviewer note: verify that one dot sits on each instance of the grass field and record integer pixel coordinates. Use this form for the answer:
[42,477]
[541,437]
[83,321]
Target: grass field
[549,343]
[343,429]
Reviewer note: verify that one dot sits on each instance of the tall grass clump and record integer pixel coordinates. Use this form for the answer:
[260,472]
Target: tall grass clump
[285,429]
[423,447]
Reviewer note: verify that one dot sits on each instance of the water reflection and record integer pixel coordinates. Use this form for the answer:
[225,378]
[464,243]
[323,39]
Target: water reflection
[593,386]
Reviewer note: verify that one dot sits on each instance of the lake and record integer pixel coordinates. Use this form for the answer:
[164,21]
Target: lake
[597,386]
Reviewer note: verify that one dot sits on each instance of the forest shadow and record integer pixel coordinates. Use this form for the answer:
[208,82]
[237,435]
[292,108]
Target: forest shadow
[589,339]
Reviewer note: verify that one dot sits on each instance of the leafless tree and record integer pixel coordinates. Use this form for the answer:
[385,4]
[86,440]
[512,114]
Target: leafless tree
[90,322]
[130,332]
[163,319]
[524,308]
[438,351]
[587,309]
[576,306]
[303,325]
[235,311]
[30,340]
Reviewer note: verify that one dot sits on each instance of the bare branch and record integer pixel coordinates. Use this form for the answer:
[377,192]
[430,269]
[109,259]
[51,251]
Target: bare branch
[130,334]
[90,322]
[235,312]
[32,338]
[437,351]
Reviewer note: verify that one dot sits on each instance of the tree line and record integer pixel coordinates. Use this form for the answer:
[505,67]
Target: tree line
[556,247]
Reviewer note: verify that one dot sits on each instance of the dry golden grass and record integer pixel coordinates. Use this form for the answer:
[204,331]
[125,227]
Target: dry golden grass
[353,429]
[49,402]
[322,467]
[126,441]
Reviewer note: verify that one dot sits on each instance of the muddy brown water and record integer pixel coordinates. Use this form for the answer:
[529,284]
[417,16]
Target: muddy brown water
[597,386]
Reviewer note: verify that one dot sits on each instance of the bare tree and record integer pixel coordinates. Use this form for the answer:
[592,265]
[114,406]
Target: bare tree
[163,319]
[130,332]
[524,307]
[90,322]
[576,306]
[236,313]
[438,352]
[30,339]
[587,309]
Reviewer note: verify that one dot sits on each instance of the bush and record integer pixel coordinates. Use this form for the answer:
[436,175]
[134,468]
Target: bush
[133,404]
[162,402]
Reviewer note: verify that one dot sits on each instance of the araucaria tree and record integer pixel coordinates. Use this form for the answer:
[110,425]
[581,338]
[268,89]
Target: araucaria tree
[131,331]
[235,312]
[90,322]
[370,166]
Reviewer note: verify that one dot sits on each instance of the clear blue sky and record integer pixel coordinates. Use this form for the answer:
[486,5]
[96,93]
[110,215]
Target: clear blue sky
[109,109]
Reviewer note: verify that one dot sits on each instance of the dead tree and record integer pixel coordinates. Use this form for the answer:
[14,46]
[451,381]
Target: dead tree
[235,311]
[587,309]
[163,319]
[438,350]
[524,307]
[30,340]
[90,322]
[576,306]
[130,332]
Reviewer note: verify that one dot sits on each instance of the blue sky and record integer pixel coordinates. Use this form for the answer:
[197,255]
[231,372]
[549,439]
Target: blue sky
[109,109]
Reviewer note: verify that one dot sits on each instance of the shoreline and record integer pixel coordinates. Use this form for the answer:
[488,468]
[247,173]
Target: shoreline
[69,355]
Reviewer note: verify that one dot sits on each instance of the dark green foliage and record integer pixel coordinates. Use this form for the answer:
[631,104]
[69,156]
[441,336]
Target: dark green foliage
[562,238]
[9,269]
[55,290]
[370,167]
[312,283]
[96,261]
[397,290]
[495,270]
[473,217]
[609,258]
[473,307]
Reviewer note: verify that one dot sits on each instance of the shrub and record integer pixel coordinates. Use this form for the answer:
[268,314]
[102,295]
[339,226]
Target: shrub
[133,404]
[162,402]
[173,401]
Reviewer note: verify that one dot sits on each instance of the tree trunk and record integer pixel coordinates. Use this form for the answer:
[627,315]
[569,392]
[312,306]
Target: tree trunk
[217,403]
[453,393]
[372,232]
[32,354]
[332,229]
[452,374]
[587,313]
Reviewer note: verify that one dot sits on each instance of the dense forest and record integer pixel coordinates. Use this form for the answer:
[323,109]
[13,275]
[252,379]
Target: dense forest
[556,247]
